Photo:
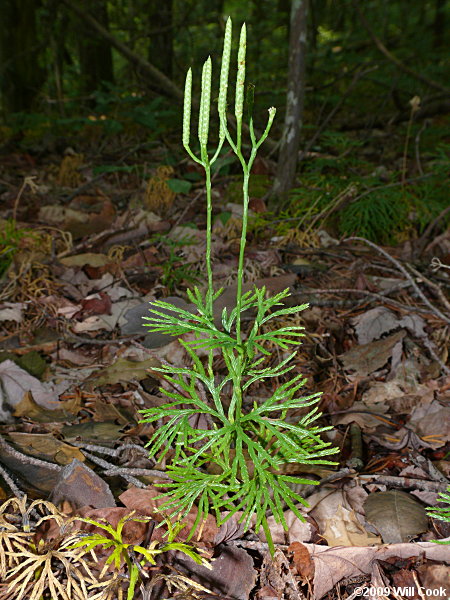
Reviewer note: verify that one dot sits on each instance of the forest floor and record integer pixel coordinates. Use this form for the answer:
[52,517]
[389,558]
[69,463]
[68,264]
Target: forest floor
[83,252]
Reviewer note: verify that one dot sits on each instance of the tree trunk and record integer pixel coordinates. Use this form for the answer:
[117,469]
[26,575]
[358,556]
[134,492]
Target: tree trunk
[21,76]
[439,24]
[95,55]
[161,35]
[146,69]
[288,156]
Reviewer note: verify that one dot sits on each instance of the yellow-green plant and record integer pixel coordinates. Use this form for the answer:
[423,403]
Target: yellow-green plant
[441,513]
[127,553]
[210,466]
[10,237]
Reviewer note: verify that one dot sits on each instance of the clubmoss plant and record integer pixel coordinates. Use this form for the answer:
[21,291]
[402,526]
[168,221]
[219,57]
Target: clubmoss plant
[125,553]
[236,461]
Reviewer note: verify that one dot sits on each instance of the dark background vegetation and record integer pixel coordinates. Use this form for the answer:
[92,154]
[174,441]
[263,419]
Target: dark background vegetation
[106,78]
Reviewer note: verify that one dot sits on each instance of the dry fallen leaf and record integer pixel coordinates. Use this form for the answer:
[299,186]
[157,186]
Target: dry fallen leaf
[232,574]
[16,382]
[302,561]
[123,370]
[78,484]
[434,576]
[276,574]
[344,529]
[334,564]
[46,446]
[372,324]
[396,515]
[11,311]
[364,359]
[298,531]
[431,422]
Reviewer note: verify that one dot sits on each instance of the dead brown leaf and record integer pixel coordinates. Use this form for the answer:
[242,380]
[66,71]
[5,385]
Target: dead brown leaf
[334,564]
[303,563]
[396,515]
[46,446]
[364,359]
[78,484]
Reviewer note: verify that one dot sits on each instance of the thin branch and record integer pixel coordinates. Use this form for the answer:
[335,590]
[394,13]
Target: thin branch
[135,471]
[433,286]
[358,75]
[422,241]
[10,483]
[373,295]
[114,452]
[107,466]
[401,268]
[406,482]
[388,54]
[26,459]
[154,74]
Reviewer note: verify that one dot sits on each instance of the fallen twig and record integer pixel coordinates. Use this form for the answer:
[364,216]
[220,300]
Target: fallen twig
[26,459]
[401,268]
[388,54]
[10,483]
[117,470]
[406,482]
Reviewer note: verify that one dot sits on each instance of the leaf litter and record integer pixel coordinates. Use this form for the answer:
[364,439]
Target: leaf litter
[71,431]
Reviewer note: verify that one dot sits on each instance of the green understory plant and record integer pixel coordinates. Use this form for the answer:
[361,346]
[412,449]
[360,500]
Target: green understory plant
[441,513]
[10,238]
[174,271]
[235,461]
[127,553]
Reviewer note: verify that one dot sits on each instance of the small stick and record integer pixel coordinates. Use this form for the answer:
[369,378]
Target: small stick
[10,483]
[356,460]
[422,241]
[109,466]
[433,286]
[138,472]
[401,268]
[406,482]
[418,586]
[426,464]
[115,452]
[344,472]
[373,295]
[26,459]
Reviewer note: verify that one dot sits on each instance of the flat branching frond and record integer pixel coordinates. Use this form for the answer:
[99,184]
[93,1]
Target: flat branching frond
[17,513]
[267,372]
[129,556]
[191,485]
[167,435]
[207,334]
[29,570]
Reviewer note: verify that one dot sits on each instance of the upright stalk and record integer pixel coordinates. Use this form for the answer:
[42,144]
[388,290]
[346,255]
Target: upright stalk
[240,274]
[210,292]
